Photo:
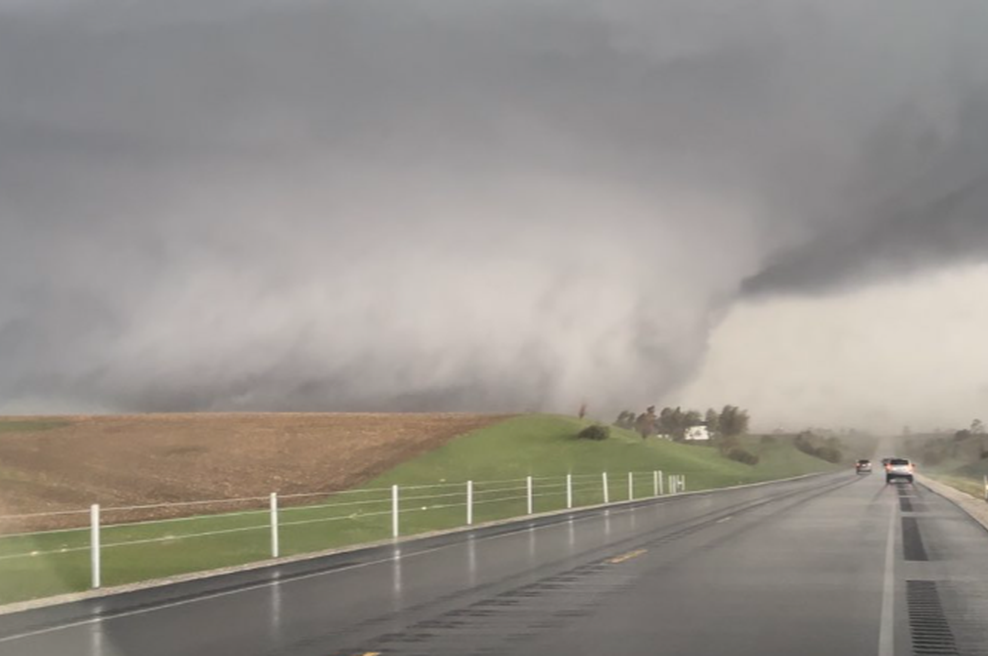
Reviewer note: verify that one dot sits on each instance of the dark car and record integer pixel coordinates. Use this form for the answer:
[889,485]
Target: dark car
[899,469]
[863,466]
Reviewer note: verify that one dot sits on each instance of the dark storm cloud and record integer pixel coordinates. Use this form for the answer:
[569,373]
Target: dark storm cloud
[951,229]
[938,215]
[429,204]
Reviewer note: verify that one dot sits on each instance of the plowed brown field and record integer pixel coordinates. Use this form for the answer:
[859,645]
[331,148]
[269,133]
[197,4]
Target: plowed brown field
[166,458]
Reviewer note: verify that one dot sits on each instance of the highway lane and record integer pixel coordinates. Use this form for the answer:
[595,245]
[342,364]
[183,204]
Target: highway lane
[816,566]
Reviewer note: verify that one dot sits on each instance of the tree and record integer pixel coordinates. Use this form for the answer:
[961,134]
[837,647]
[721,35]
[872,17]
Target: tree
[726,420]
[713,421]
[625,420]
[742,422]
[733,420]
[646,422]
[670,420]
[692,418]
[977,427]
[674,421]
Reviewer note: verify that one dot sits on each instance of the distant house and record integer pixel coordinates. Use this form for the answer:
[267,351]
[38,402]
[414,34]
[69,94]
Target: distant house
[697,433]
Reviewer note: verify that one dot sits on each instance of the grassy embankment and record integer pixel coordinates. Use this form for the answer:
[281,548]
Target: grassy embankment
[967,477]
[960,462]
[498,458]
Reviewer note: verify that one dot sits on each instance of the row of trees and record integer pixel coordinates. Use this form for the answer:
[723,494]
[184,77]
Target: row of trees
[732,420]
[977,428]
[675,422]
[967,445]
[826,448]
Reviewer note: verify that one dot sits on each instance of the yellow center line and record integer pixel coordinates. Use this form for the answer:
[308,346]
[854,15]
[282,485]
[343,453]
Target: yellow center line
[628,556]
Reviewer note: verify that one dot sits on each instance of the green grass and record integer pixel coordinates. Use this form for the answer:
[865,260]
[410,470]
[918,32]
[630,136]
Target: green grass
[975,488]
[958,463]
[543,445]
[963,475]
[540,446]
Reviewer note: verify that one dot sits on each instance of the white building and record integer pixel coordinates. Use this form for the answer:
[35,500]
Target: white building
[697,433]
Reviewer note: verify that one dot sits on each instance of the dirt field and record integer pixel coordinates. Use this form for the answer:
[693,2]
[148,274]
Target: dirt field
[67,463]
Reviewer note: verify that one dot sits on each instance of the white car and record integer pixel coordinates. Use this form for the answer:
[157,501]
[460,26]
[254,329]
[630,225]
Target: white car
[899,469]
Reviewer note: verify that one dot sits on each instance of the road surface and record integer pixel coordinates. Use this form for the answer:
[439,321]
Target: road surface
[835,564]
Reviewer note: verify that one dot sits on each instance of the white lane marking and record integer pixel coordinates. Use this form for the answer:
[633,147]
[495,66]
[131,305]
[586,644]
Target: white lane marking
[886,633]
[265,584]
[725,519]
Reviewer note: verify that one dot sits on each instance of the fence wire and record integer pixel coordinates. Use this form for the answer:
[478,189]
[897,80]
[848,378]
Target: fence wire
[564,490]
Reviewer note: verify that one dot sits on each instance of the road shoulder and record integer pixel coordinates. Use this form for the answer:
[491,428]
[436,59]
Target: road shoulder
[973,506]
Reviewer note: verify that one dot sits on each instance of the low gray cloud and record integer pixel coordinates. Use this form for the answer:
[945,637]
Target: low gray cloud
[435,205]
[937,215]
[951,229]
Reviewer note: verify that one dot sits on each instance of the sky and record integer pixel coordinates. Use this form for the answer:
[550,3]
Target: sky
[495,206]
[897,354]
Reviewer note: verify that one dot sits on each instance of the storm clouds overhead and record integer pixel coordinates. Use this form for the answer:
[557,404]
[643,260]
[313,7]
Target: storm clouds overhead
[424,205]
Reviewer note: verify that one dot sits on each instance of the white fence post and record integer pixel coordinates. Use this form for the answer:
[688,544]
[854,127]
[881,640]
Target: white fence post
[275,550]
[530,504]
[394,511]
[662,483]
[607,495]
[655,484]
[469,503]
[569,491]
[94,544]
[631,486]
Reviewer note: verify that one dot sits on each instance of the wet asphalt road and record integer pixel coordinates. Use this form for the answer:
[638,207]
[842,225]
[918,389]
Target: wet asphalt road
[836,564]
